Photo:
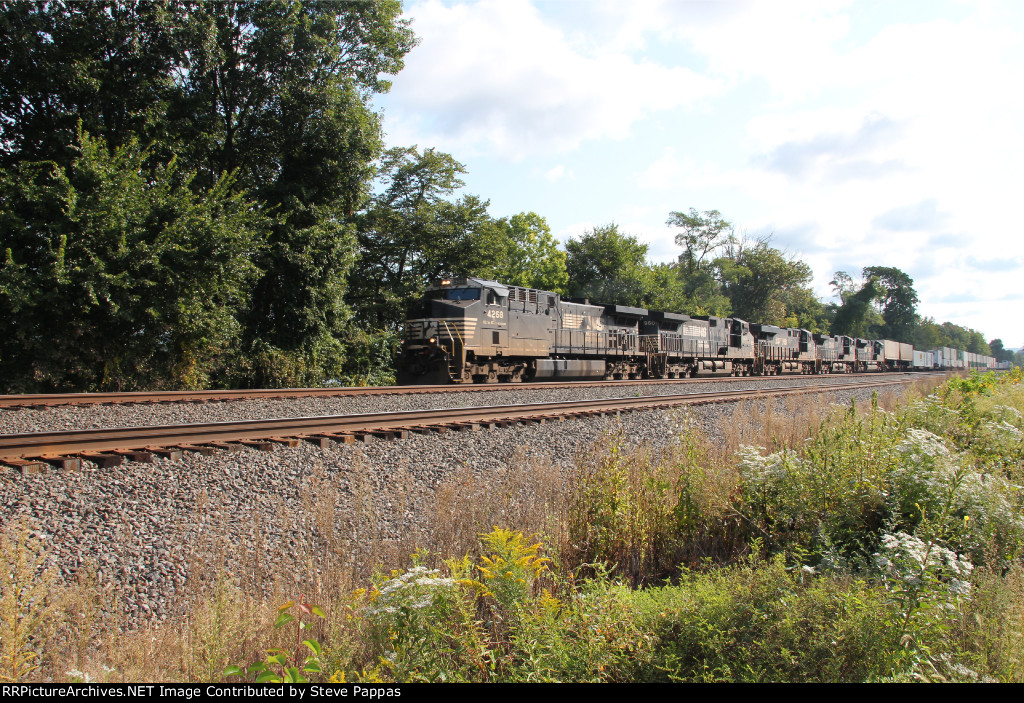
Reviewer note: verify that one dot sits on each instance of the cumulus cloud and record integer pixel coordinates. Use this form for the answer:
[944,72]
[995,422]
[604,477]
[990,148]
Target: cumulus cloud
[838,157]
[857,138]
[922,216]
[497,76]
[995,265]
[557,173]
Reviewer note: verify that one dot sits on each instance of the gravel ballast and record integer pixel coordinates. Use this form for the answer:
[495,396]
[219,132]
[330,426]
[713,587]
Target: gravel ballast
[146,529]
[62,418]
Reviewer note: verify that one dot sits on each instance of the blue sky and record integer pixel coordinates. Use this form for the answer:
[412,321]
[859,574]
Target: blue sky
[855,133]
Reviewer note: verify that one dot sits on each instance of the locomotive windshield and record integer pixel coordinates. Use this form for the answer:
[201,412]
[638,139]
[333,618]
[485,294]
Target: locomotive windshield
[455,294]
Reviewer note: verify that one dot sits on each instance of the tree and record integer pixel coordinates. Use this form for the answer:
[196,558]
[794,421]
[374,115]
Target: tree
[999,352]
[702,234]
[410,234]
[531,256]
[278,94]
[281,92]
[898,300]
[116,276]
[607,266]
[804,310]
[928,335]
[107,66]
[757,278]
[856,315]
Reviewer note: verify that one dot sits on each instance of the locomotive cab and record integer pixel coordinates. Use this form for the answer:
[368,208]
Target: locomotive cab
[475,330]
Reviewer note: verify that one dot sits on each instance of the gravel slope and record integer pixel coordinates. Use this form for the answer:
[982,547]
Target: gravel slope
[149,528]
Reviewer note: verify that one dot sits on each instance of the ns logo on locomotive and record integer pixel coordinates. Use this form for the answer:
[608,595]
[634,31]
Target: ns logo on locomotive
[473,330]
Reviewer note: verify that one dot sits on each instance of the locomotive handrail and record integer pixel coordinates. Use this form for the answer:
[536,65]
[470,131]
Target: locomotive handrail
[452,363]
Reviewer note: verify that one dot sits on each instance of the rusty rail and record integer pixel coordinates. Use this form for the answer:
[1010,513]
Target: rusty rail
[29,451]
[48,400]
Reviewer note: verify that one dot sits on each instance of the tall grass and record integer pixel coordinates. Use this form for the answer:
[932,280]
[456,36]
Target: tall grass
[799,542]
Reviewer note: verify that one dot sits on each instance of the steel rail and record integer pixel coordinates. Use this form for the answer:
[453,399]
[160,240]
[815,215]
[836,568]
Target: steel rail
[14,447]
[47,400]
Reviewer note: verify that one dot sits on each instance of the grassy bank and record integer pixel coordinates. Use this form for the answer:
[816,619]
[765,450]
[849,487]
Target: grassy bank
[801,543]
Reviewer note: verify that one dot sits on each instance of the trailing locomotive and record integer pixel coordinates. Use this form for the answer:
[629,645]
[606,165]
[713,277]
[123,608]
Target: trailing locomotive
[479,331]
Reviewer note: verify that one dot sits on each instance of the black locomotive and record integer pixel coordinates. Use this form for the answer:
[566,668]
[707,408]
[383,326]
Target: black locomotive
[474,330]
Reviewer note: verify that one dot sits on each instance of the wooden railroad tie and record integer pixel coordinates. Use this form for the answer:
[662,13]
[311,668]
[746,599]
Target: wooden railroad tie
[224,446]
[103,460]
[59,461]
[26,466]
[261,445]
[172,453]
[200,450]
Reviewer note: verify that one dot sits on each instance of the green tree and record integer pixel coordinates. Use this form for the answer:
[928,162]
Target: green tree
[531,257]
[281,92]
[856,316]
[999,352]
[898,300]
[277,93]
[411,233]
[928,335]
[805,310]
[117,276]
[607,266]
[758,278]
[107,66]
[701,235]
[665,289]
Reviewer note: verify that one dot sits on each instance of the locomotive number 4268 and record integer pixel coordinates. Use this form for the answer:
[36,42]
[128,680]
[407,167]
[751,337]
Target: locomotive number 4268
[496,314]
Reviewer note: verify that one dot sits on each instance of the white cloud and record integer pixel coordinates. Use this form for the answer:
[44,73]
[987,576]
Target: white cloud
[557,173]
[664,173]
[857,146]
[498,77]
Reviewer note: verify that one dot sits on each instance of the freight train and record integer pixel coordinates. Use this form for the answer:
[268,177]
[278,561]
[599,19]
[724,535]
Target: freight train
[472,330]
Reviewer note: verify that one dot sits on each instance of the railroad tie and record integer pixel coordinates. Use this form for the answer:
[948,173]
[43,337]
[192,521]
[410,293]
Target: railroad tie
[172,453]
[224,446]
[103,460]
[26,466]
[59,461]
[261,445]
[135,455]
[200,450]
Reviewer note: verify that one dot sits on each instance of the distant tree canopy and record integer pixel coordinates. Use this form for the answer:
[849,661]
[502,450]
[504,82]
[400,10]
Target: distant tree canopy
[760,280]
[531,257]
[999,351]
[607,266]
[883,306]
[413,232]
[716,274]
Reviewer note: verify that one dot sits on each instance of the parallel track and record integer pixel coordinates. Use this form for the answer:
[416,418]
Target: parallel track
[29,451]
[48,400]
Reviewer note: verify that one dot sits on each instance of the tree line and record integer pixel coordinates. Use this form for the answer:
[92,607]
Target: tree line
[198,194]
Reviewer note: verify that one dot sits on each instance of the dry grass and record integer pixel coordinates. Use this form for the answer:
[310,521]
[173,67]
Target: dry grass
[225,612]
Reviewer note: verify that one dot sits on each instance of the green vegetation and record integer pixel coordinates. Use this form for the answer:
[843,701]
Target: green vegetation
[868,544]
[198,195]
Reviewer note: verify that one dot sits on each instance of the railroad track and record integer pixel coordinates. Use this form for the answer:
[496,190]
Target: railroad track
[41,401]
[34,451]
